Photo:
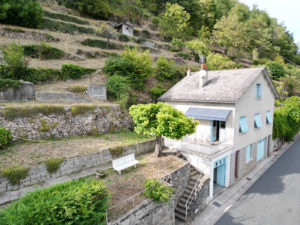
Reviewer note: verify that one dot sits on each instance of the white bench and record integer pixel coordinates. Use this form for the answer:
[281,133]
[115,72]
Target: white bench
[124,162]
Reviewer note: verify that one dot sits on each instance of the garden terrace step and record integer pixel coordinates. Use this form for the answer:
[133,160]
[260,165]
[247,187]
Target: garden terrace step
[180,211]
[180,217]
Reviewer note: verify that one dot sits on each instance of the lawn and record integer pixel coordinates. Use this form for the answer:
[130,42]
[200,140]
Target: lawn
[34,153]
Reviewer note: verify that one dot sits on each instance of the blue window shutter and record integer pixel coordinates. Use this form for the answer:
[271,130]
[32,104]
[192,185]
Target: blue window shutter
[257,121]
[269,117]
[243,124]
[258,90]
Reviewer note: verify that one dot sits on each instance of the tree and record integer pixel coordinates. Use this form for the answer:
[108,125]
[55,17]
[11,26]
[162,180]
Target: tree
[276,69]
[98,9]
[197,47]
[174,21]
[219,62]
[107,31]
[161,119]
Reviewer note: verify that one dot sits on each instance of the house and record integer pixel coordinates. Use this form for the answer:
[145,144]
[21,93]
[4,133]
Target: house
[235,113]
[125,28]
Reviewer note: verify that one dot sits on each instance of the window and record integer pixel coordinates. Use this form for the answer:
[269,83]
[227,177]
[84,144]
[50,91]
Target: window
[258,90]
[269,118]
[257,121]
[249,153]
[243,124]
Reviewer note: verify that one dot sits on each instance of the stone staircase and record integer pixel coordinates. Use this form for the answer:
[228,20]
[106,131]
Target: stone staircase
[191,190]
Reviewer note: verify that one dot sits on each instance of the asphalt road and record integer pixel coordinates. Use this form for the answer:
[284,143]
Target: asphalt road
[274,199]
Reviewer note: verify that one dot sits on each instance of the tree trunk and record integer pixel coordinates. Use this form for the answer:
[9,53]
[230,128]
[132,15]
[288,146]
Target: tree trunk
[107,43]
[158,146]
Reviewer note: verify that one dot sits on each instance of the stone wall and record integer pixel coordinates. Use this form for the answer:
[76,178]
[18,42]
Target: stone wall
[72,165]
[60,97]
[24,93]
[103,119]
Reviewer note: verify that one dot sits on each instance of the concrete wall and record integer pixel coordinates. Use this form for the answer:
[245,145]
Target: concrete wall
[128,30]
[60,97]
[24,93]
[97,91]
[72,165]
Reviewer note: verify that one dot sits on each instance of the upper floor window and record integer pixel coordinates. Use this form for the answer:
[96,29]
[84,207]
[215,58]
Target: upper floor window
[243,124]
[258,90]
[257,121]
[249,154]
[269,118]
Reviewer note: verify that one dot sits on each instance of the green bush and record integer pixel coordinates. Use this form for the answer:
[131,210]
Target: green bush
[155,22]
[177,44]
[65,17]
[82,109]
[15,174]
[82,201]
[93,132]
[184,55]
[53,164]
[276,69]
[44,126]
[8,83]
[78,89]
[219,62]
[65,27]
[5,137]
[13,29]
[156,92]
[99,44]
[145,34]
[140,40]
[123,38]
[117,87]
[133,64]
[165,69]
[37,75]
[26,13]
[157,191]
[43,51]
[11,113]
[70,71]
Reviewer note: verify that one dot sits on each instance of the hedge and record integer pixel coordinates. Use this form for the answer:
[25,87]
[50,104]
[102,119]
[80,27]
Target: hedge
[82,201]
[65,17]
[8,83]
[70,71]
[5,137]
[99,44]
[15,174]
[42,51]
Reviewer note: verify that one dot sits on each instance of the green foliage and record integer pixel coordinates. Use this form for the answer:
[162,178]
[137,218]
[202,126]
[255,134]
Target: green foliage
[107,31]
[177,44]
[44,126]
[139,40]
[157,191]
[82,109]
[8,83]
[197,47]
[37,75]
[5,137]
[184,55]
[116,152]
[13,29]
[123,38]
[93,132]
[156,92]
[16,63]
[276,69]
[133,64]
[53,164]
[161,119]
[145,34]
[165,69]
[82,201]
[78,89]
[174,22]
[287,119]
[70,71]
[219,62]
[26,13]
[43,51]
[65,17]
[15,174]
[65,27]
[118,87]
[99,44]
[11,113]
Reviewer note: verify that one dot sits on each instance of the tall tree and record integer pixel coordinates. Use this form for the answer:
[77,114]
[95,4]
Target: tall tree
[107,31]
[161,119]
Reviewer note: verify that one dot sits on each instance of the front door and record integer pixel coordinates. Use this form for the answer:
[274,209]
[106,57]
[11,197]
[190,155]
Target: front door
[215,131]
[260,149]
[221,174]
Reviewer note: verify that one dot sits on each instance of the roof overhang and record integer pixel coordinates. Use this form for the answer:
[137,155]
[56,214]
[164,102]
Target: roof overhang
[207,113]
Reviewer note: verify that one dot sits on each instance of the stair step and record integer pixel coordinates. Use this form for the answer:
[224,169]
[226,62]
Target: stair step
[180,211]
[180,217]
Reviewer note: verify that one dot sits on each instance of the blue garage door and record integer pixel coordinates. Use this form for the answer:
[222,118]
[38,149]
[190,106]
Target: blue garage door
[220,165]
[260,149]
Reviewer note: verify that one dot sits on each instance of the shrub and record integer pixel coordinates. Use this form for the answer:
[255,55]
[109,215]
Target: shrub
[219,62]
[145,34]
[123,38]
[99,44]
[82,201]
[65,17]
[70,71]
[156,92]
[37,75]
[78,89]
[43,51]
[13,29]
[26,13]
[177,44]
[184,55]
[165,69]
[53,164]
[82,109]
[15,174]
[155,22]
[93,132]
[133,64]
[276,70]
[8,83]
[116,152]
[157,191]
[5,137]
[139,40]
[117,86]
[11,113]
[44,126]
[65,27]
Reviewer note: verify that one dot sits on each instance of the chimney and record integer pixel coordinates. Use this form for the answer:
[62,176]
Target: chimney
[203,73]
[188,72]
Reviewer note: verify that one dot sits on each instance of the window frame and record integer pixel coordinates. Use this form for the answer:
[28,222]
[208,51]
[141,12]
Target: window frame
[269,119]
[258,90]
[257,120]
[243,125]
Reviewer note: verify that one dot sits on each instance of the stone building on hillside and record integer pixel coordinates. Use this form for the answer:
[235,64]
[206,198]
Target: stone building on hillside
[125,28]
[235,113]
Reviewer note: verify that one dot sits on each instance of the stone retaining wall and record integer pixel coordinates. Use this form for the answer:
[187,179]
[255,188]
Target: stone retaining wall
[103,119]
[74,165]
[24,93]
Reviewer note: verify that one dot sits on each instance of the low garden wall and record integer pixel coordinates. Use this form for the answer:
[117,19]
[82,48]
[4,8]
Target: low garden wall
[45,121]
[24,93]
[76,164]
